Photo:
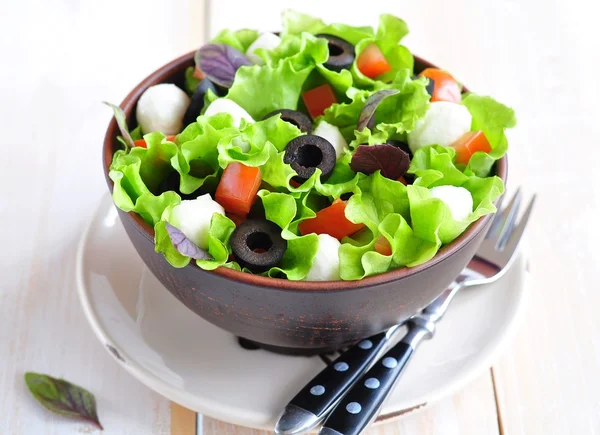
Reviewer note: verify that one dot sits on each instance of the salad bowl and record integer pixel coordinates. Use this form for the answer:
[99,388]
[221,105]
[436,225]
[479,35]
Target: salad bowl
[293,316]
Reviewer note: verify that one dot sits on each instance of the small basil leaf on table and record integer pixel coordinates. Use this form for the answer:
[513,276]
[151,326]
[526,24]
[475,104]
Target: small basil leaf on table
[63,398]
[220,62]
[367,114]
[122,123]
[391,160]
[184,245]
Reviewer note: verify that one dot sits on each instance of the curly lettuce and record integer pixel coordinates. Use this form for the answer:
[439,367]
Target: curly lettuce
[138,174]
[220,230]
[493,118]
[152,181]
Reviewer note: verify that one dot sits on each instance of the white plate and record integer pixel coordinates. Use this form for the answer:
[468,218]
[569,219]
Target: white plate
[191,362]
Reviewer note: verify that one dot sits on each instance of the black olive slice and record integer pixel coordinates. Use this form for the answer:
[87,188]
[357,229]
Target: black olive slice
[197,101]
[306,153]
[299,119]
[258,245]
[341,53]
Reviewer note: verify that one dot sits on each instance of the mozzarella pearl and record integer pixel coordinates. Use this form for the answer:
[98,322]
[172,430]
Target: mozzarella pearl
[193,217]
[332,134]
[458,199]
[268,41]
[161,108]
[223,105]
[443,123]
[326,264]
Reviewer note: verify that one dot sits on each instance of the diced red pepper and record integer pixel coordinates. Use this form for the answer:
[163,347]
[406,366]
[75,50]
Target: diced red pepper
[445,87]
[237,188]
[331,220]
[318,99]
[383,246]
[371,61]
[468,144]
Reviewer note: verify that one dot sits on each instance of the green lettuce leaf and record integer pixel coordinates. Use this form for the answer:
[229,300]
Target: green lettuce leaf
[295,23]
[345,115]
[220,230]
[434,166]
[238,39]
[376,200]
[198,158]
[282,208]
[431,218]
[342,180]
[395,115]
[262,89]
[302,51]
[389,33]
[190,82]
[137,177]
[493,118]
[377,197]
[273,131]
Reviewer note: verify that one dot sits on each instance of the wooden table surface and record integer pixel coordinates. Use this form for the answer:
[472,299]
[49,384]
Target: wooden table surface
[61,58]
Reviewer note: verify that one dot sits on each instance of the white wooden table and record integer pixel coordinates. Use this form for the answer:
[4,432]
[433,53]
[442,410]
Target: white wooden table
[60,58]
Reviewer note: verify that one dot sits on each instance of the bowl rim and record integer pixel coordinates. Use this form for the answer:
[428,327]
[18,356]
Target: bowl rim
[159,76]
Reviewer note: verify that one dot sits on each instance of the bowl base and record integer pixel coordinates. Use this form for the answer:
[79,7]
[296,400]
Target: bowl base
[291,351]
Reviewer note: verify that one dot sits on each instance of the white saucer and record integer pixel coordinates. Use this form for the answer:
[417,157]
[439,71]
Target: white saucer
[193,363]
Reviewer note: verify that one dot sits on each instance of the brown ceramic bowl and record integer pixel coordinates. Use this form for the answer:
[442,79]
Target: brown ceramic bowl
[301,317]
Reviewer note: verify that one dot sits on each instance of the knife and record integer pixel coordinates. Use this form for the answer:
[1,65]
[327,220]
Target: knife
[312,404]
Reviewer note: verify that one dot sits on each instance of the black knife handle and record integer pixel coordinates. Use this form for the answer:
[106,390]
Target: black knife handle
[320,394]
[356,410]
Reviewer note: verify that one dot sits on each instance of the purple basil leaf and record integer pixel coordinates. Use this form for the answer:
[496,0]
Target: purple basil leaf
[392,161]
[220,62]
[184,245]
[63,398]
[367,114]
[122,123]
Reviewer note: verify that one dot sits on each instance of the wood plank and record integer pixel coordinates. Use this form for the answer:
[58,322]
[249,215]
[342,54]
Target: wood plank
[548,382]
[472,411]
[71,57]
[183,420]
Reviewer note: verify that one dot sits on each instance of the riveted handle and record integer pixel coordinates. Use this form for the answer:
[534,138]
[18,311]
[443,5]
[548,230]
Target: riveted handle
[356,410]
[325,389]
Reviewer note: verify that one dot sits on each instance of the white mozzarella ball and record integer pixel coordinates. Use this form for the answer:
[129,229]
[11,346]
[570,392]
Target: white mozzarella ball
[223,105]
[326,264]
[268,41]
[443,123]
[333,135]
[161,108]
[193,217]
[458,199]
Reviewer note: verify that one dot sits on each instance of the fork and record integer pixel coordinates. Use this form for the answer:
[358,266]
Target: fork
[364,397]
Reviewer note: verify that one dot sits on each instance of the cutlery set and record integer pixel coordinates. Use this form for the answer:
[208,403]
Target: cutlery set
[348,394]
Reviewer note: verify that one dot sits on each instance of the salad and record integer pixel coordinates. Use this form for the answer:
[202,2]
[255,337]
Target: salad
[314,154]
